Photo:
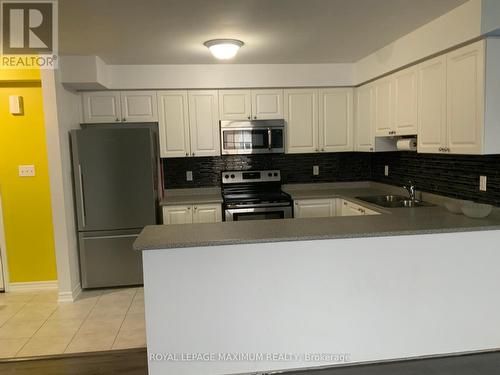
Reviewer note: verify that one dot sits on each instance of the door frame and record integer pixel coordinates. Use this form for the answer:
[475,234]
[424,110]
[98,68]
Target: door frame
[3,250]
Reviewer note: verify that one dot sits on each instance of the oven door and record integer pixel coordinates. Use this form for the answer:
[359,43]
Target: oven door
[236,141]
[257,213]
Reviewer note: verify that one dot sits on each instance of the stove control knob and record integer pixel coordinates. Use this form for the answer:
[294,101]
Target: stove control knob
[232,176]
[275,174]
[270,174]
[226,176]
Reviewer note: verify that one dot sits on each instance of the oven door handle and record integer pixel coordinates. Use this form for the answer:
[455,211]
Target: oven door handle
[269,138]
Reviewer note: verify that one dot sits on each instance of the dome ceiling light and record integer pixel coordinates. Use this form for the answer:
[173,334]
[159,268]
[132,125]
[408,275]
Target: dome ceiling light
[223,49]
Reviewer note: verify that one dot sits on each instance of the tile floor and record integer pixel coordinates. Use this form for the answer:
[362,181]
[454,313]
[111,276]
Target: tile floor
[34,324]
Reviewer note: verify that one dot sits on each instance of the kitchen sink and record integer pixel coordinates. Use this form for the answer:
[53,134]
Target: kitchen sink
[394,201]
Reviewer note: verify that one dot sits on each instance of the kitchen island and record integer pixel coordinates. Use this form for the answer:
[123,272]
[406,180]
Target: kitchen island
[242,297]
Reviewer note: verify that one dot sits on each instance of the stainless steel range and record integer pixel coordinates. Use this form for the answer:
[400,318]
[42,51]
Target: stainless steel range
[254,195]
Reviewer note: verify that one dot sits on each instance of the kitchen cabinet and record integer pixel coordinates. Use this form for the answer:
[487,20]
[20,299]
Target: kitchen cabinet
[315,208]
[348,208]
[405,102]
[262,104]
[384,104]
[173,124]
[458,101]
[432,105]
[364,134]
[204,122]
[301,116]
[196,213]
[119,106]
[336,126]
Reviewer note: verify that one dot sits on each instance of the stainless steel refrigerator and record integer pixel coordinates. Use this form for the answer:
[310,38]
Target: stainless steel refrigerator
[116,194]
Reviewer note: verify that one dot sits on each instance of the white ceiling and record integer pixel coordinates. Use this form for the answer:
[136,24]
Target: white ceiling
[274,31]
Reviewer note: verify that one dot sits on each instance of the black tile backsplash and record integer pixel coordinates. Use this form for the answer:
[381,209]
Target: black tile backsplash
[295,168]
[450,175]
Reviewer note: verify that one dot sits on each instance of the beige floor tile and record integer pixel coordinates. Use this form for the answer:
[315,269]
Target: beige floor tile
[134,321]
[136,307]
[71,311]
[108,313]
[11,307]
[59,328]
[108,326]
[16,297]
[4,317]
[9,347]
[32,312]
[90,343]
[15,330]
[49,296]
[135,338]
[37,346]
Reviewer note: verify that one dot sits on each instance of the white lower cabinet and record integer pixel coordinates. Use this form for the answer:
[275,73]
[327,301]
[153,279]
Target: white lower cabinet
[315,208]
[197,213]
[348,208]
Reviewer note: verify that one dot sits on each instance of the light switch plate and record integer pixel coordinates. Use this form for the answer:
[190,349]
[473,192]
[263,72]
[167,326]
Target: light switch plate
[16,106]
[315,170]
[482,183]
[386,170]
[26,171]
[189,175]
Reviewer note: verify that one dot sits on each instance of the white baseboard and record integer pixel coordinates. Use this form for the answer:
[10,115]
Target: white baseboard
[33,286]
[70,296]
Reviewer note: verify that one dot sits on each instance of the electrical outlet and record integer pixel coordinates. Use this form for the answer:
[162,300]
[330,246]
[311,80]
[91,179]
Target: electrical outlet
[189,175]
[26,171]
[386,170]
[315,170]
[482,183]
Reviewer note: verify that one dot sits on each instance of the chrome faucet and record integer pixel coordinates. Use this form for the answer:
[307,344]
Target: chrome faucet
[411,189]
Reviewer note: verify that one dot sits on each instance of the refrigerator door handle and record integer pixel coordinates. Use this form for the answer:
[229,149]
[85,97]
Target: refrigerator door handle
[82,196]
[111,237]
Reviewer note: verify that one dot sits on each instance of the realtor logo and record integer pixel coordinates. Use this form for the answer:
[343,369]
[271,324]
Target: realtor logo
[29,28]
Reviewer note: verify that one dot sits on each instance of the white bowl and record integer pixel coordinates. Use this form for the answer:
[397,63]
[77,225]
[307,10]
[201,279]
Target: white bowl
[476,210]
[455,205]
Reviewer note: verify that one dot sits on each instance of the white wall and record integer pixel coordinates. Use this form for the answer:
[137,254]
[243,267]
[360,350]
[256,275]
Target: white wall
[453,28]
[62,110]
[375,298]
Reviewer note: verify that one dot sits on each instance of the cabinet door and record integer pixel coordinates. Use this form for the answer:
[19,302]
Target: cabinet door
[405,102]
[384,106]
[173,123]
[465,99]
[204,122]
[235,105]
[351,209]
[301,116]
[314,208]
[101,107]
[177,214]
[139,106]
[207,213]
[364,135]
[267,104]
[335,120]
[432,105]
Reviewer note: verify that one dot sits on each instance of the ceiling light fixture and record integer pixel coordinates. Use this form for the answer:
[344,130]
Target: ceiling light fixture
[223,49]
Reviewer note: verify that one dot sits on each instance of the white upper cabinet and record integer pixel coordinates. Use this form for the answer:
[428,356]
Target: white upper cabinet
[267,104]
[465,99]
[139,106]
[364,132]
[235,105]
[119,106]
[384,105]
[173,123]
[101,107]
[301,116]
[264,104]
[204,122]
[405,102]
[432,105]
[336,130]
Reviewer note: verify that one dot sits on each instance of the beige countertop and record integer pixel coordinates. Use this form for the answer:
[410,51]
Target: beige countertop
[172,197]
[392,222]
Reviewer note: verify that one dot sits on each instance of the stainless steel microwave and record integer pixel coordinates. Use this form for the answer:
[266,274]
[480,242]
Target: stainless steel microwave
[252,137]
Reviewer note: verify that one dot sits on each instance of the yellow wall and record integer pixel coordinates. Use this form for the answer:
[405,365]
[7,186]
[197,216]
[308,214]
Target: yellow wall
[26,200]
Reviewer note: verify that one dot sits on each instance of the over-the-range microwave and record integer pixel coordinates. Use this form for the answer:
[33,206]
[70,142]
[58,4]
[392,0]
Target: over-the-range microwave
[252,137]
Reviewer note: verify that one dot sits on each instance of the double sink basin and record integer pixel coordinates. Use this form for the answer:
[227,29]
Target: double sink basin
[394,201]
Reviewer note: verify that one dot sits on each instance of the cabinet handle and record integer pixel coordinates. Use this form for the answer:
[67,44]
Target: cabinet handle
[193,153]
[441,149]
[255,117]
[124,119]
[371,148]
[249,117]
[189,208]
[345,203]
[187,154]
[323,149]
[317,149]
[195,207]
[117,119]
